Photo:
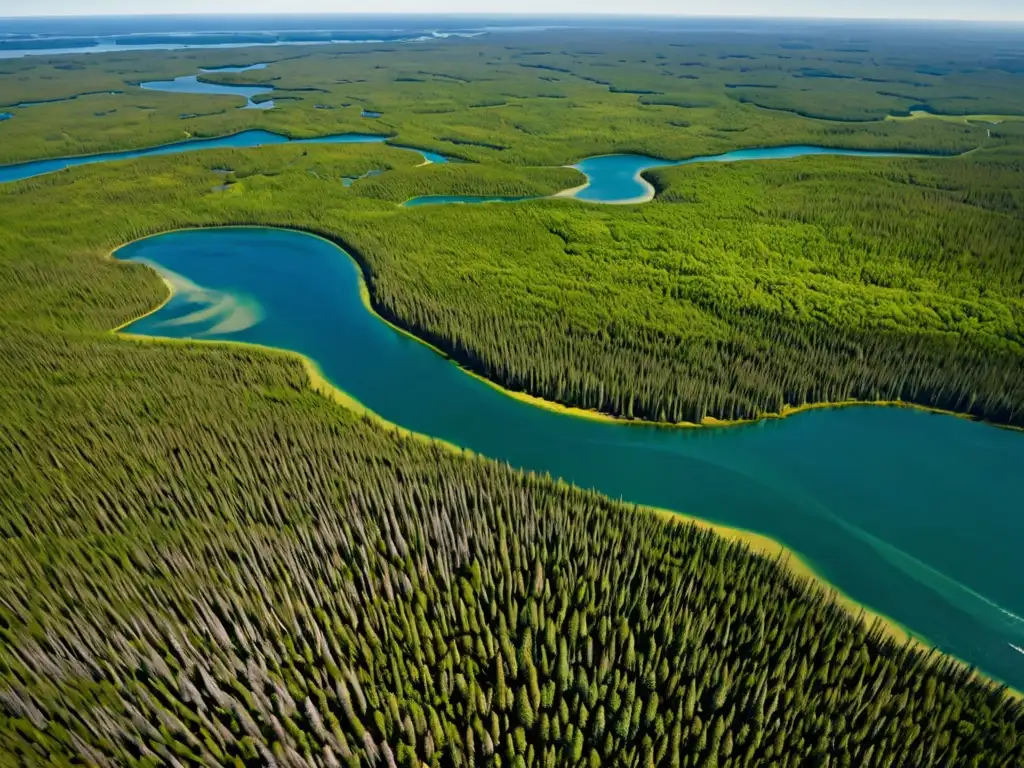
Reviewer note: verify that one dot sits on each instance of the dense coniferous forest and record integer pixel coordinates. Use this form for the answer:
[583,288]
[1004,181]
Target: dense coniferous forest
[544,98]
[753,289]
[205,562]
[742,290]
[250,576]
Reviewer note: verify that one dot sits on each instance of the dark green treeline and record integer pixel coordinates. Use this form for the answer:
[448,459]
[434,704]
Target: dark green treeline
[746,289]
[247,576]
[202,562]
[740,290]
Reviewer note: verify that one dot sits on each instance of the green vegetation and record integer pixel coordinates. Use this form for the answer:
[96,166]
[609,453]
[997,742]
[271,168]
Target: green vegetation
[466,179]
[542,99]
[249,574]
[987,119]
[745,289]
[749,289]
[331,167]
[205,562]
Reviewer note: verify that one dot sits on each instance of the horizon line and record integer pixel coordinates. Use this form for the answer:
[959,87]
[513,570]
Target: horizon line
[533,15]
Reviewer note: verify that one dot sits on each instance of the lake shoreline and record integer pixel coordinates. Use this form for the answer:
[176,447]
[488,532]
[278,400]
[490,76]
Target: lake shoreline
[319,383]
[648,194]
[709,422]
[761,544]
[90,158]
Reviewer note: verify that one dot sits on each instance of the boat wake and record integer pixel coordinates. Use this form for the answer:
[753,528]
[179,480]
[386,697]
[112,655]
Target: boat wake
[957,594]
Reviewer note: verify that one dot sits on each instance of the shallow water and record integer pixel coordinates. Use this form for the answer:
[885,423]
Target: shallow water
[913,514]
[430,157]
[615,179]
[237,141]
[192,84]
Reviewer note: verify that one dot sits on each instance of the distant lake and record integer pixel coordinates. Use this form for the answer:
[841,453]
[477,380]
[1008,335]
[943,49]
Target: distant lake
[616,179]
[192,84]
[27,36]
[245,139]
[47,36]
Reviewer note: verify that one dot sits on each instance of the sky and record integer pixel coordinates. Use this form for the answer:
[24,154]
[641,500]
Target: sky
[984,10]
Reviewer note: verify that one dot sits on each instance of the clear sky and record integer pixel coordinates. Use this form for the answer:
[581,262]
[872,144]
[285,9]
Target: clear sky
[988,10]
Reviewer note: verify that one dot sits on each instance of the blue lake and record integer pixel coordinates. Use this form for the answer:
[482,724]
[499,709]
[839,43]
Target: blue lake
[241,140]
[615,179]
[192,84]
[610,178]
[914,514]
[431,157]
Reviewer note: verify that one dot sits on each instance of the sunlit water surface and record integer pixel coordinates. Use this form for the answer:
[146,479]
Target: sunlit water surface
[914,514]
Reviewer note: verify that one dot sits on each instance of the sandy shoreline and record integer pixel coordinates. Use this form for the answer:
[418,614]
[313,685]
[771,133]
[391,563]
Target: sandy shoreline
[646,197]
[758,543]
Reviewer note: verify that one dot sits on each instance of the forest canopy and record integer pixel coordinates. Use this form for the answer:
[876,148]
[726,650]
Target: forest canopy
[203,561]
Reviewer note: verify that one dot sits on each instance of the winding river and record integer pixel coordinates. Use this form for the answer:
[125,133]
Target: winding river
[243,140]
[617,179]
[611,179]
[192,84]
[913,514]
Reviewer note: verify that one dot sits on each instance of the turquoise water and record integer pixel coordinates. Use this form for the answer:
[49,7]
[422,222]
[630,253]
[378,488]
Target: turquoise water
[369,113]
[616,178]
[430,157]
[611,178]
[916,515]
[236,141]
[192,84]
